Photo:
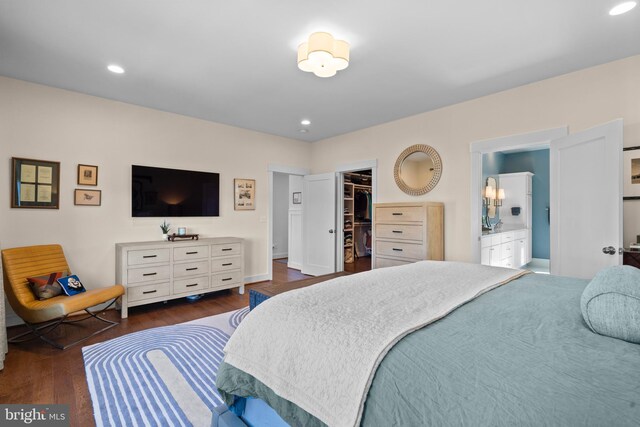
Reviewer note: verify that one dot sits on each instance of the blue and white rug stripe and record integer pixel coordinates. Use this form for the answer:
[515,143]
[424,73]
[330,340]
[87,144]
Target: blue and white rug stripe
[160,376]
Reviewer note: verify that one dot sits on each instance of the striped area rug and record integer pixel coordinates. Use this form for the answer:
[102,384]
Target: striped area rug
[162,376]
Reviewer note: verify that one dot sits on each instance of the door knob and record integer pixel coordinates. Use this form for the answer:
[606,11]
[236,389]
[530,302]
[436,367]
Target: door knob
[331,231]
[609,250]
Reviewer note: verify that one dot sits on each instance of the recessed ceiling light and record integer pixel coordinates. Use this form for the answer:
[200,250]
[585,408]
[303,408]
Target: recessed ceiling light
[305,122]
[622,8]
[304,130]
[115,69]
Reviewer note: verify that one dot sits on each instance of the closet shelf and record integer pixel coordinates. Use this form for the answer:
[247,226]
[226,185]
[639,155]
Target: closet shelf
[348,198]
[368,187]
[348,229]
[350,245]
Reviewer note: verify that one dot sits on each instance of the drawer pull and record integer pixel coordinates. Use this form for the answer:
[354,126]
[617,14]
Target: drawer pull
[192,253]
[396,231]
[397,213]
[192,268]
[227,249]
[227,279]
[149,274]
[149,292]
[227,264]
[192,285]
[397,249]
[149,256]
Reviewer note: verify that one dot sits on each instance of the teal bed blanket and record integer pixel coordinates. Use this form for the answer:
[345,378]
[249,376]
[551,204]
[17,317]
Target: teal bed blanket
[518,355]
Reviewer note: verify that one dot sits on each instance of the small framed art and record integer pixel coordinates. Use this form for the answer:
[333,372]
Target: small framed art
[297,198]
[83,197]
[244,191]
[87,175]
[631,168]
[35,184]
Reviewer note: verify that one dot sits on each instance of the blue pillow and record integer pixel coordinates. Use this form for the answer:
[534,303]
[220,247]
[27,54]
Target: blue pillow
[611,303]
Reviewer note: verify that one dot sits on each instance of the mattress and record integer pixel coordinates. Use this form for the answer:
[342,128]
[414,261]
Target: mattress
[518,355]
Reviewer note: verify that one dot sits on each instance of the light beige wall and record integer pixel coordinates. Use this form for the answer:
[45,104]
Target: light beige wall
[580,100]
[51,124]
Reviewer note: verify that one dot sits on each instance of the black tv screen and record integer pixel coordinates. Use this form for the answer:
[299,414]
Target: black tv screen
[173,192]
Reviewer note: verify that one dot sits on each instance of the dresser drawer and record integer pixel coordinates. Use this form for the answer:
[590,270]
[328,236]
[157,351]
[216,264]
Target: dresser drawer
[139,293]
[228,249]
[226,280]
[399,232]
[148,274]
[190,285]
[506,237]
[521,234]
[399,214]
[487,241]
[386,262]
[190,252]
[196,268]
[226,264]
[148,256]
[506,250]
[400,249]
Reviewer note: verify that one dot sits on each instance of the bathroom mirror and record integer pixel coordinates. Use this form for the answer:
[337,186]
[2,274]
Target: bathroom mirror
[418,169]
[489,201]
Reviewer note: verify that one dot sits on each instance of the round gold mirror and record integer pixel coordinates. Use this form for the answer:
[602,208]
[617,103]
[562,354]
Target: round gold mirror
[418,169]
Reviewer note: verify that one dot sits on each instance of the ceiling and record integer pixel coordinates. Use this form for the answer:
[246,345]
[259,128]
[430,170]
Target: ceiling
[234,62]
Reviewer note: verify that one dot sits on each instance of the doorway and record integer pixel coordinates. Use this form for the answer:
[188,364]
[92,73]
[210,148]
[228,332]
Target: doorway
[520,208]
[357,212]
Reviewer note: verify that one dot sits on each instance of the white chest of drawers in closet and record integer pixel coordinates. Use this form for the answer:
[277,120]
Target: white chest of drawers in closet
[159,271]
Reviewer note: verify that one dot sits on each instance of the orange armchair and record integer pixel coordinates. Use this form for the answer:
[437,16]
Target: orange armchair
[42,316]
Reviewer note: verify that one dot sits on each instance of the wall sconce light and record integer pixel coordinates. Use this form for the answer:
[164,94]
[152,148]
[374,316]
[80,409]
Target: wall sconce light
[498,200]
[489,194]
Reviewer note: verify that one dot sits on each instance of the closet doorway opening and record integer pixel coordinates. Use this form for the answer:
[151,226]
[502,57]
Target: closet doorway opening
[354,220]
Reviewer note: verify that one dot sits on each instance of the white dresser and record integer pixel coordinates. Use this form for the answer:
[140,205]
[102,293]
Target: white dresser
[407,232]
[160,271]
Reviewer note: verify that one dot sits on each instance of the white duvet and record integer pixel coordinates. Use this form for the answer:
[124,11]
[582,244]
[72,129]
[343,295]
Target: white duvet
[319,347]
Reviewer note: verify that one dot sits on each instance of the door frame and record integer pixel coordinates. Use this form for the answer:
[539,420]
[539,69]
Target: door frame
[531,140]
[340,170]
[290,170]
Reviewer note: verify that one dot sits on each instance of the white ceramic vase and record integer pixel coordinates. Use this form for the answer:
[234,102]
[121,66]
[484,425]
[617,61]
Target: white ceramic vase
[165,236]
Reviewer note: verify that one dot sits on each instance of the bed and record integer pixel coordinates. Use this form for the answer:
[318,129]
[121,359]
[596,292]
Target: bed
[517,353]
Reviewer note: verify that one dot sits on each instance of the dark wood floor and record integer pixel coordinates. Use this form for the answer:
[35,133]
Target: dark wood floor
[36,373]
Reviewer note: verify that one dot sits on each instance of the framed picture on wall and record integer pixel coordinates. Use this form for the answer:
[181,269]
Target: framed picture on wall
[244,191]
[83,197]
[631,168]
[35,184]
[297,198]
[87,175]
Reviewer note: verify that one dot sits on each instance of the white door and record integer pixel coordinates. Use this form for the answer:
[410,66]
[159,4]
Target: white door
[586,201]
[319,226]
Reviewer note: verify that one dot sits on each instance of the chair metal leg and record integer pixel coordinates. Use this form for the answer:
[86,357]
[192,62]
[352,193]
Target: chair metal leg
[36,330]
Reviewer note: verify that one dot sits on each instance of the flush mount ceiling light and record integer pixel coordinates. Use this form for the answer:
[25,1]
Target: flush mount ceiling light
[323,55]
[305,122]
[622,8]
[115,69]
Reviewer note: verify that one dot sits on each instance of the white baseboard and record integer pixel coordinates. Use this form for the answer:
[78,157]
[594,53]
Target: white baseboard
[295,266]
[254,279]
[280,255]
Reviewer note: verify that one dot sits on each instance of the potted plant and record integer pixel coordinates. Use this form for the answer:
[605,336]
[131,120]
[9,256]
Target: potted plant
[165,227]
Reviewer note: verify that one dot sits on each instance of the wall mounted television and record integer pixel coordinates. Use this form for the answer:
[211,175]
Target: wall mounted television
[161,192]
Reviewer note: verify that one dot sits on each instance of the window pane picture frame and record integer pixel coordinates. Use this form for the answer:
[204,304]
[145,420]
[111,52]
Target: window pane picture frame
[297,198]
[88,175]
[82,197]
[631,169]
[35,184]
[244,191]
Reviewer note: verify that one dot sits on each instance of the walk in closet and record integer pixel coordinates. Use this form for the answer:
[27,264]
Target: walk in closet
[357,216]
